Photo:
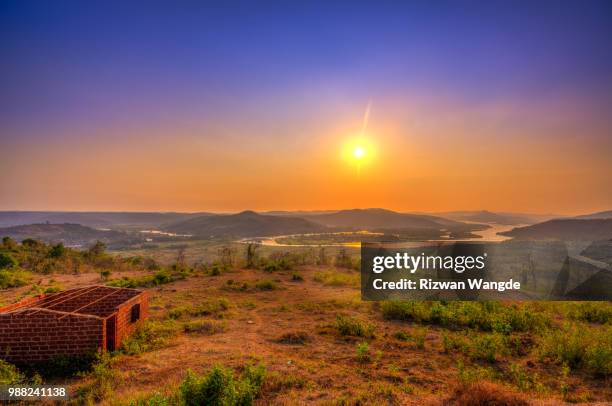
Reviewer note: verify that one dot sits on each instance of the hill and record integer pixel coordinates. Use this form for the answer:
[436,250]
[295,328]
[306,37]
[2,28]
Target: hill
[69,234]
[371,219]
[485,216]
[599,215]
[94,219]
[244,224]
[565,229]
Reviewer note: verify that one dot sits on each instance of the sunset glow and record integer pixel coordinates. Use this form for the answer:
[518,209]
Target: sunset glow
[235,116]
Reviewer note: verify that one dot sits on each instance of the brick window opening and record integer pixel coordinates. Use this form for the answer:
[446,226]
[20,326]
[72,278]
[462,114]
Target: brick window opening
[135,313]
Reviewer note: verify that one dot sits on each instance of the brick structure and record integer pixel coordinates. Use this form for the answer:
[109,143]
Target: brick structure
[70,323]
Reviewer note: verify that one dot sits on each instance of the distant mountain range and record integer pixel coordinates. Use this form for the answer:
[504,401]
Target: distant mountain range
[484,216]
[82,227]
[69,234]
[598,215]
[371,219]
[94,219]
[565,229]
[244,224]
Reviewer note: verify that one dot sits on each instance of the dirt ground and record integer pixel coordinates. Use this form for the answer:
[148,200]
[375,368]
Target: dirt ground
[323,370]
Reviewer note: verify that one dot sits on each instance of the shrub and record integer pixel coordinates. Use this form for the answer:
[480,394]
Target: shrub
[297,277]
[580,348]
[363,352]
[9,374]
[101,381]
[295,337]
[592,312]
[420,335]
[7,261]
[219,387]
[402,336]
[349,326]
[266,284]
[206,327]
[12,278]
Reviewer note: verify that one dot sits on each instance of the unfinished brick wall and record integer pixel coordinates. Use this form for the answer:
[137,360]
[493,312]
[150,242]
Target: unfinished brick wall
[41,335]
[124,326]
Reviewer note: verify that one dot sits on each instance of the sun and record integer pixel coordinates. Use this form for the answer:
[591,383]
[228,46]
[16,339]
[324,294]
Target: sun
[359,152]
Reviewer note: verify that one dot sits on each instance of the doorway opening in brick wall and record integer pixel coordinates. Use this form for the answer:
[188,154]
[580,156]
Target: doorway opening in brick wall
[110,333]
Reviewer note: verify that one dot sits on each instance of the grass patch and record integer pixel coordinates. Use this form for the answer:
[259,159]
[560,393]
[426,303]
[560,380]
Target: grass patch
[160,277]
[485,316]
[149,336]
[216,308]
[350,326]
[335,278]
[204,327]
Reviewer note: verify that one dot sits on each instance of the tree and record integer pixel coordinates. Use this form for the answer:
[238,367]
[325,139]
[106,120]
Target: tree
[7,261]
[251,256]
[97,250]
[9,243]
[57,251]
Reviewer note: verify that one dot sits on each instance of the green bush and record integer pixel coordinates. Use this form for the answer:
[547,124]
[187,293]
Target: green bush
[350,326]
[266,284]
[7,261]
[297,277]
[592,312]
[9,374]
[363,352]
[12,278]
[219,387]
[580,348]
[100,381]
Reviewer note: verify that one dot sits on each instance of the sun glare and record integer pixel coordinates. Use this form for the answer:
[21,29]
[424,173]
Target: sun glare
[358,152]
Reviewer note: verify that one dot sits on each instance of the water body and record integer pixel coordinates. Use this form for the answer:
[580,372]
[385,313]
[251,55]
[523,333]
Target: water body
[490,234]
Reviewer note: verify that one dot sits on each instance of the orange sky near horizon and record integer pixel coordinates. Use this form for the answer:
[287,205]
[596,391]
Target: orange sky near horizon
[424,161]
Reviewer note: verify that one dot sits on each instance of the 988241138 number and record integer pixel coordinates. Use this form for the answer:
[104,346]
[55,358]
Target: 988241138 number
[21,392]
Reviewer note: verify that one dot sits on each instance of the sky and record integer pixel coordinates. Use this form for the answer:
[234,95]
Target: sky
[227,106]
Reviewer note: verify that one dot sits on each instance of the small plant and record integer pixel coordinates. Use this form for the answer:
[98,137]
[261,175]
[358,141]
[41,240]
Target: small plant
[363,352]
[266,284]
[420,335]
[295,337]
[401,335]
[297,277]
[350,326]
